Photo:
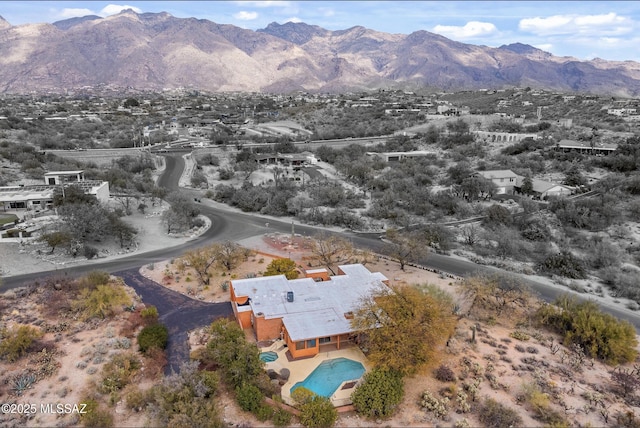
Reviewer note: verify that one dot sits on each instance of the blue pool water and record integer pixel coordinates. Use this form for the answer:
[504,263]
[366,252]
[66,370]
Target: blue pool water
[268,356]
[330,374]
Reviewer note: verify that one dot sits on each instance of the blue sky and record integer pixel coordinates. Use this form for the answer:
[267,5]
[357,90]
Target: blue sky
[584,29]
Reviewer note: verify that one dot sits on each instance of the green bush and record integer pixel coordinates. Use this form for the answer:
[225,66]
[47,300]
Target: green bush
[16,341]
[495,415]
[264,413]
[155,335]
[281,418]
[149,314]
[94,416]
[102,301]
[249,397]
[315,411]
[118,372]
[563,264]
[600,335]
[379,394]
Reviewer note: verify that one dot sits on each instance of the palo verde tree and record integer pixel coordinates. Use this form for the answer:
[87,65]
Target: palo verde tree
[286,267]
[379,394]
[402,327]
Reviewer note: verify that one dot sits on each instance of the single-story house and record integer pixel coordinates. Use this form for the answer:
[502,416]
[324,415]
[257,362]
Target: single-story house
[584,147]
[398,156]
[543,189]
[307,312]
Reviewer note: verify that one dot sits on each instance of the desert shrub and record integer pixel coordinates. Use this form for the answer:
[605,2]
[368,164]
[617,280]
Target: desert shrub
[315,411]
[281,418]
[519,335]
[102,301]
[379,394]
[89,251]
[17,340]
[238,360]
[155,362]
[600,335]
[185,399]
[153,336]
[430,403]
[137,399]
[264,412]
[249,397]
[444,374]
[493,414]
[118,372]
[563,264]
[95,416]
[540,405]
[149,315]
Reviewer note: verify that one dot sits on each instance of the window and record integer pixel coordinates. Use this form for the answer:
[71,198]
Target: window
[325,340]
[311,343]
[299,345]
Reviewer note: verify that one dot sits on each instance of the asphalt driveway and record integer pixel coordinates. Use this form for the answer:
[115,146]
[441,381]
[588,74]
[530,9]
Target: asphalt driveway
[178,312]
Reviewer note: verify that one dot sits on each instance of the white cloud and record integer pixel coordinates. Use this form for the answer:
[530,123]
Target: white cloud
[293,19]
[257,3]
[113,9]
[609,24]
[246,16]
[470,30]
[75,12]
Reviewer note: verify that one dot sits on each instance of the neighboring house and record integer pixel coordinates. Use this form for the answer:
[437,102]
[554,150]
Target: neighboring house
[582,147]
[293,159]
[398,156]
[40,197]
[544,189]
[306,313]
[504,179]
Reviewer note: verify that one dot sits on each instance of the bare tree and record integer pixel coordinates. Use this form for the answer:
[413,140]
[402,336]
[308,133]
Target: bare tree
[404,247]
[330,250]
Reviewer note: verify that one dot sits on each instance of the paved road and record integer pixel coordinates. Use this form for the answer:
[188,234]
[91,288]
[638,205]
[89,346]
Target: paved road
[178,312]
[228,224]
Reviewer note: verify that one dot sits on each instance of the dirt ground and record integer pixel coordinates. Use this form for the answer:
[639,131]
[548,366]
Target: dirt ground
[507,366]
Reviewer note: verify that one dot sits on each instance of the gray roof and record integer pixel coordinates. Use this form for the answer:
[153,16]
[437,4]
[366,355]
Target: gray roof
[318,308]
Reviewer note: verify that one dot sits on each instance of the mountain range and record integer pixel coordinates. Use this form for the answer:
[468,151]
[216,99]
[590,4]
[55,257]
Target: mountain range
[154,51]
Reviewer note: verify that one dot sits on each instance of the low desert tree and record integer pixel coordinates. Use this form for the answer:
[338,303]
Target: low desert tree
[402,327]
[404,247]
[239,360]
[601,335]
[55,239]
[286,267]
[315,411]
[230,255]
[201,260]
[495,294]
[497,215]
[564,264]
[153,336]
[181,214]
[330,250]
[379,394]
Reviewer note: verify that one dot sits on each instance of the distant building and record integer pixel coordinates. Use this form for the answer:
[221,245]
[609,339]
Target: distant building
[40,197]
[585,147]
[398,156]
[504,179]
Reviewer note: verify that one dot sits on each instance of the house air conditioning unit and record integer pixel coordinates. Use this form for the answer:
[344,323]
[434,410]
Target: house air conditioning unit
[289,296]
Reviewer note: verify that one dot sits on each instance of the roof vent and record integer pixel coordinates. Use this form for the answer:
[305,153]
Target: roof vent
[289,296]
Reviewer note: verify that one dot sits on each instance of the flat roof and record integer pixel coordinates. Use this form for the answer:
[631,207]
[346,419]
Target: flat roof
[80,171]
[318,308]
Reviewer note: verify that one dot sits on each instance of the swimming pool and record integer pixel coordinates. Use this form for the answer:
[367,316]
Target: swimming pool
[268,356]
[330,374]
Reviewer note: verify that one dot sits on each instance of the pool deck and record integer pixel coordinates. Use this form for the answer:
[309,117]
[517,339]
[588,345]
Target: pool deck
[302,368]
